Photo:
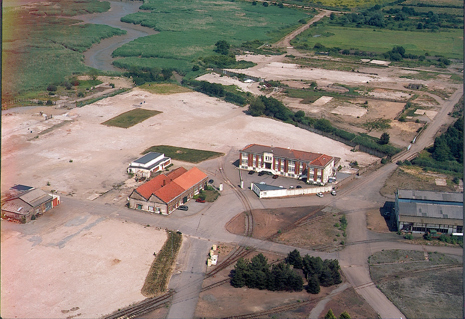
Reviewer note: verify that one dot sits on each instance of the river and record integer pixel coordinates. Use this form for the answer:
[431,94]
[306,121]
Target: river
[99,55]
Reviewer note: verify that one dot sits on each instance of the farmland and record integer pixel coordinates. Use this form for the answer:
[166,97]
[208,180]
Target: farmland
[447,43]
[187,33]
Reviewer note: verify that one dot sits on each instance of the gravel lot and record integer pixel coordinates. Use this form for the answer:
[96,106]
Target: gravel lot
[84,158]
[69,264]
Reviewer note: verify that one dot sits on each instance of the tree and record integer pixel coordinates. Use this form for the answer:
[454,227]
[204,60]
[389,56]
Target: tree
[257,107]
[222,47]
[93,74]
[344,315]
[330,315]
[332,16]
[384,139]
[294,259]
[313,285]
[51,88]
[265,4]
[240,272]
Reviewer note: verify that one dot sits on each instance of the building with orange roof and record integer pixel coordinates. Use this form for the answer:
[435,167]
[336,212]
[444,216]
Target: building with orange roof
[166,192]
[316,168]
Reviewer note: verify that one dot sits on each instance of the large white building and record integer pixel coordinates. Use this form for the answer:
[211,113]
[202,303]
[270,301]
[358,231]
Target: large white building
[149,163]
[315,167]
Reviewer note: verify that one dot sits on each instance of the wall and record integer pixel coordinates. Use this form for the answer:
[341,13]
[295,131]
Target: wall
[291,192]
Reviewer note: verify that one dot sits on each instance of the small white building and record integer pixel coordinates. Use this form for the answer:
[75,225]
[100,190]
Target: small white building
[149,163]
[269,191]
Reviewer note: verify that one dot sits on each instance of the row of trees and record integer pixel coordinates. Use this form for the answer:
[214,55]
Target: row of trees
[318,272]
[140,75]
[257,273]
[399,18]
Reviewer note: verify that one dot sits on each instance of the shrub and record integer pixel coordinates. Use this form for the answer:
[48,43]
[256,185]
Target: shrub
[51,88]
[49,102]
[408,236]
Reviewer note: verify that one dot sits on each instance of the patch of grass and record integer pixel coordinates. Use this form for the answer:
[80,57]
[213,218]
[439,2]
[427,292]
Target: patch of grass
[87,84]
[43,50]
[164,88]
[378,124]
[95,99]
[157,279]
[446,43]
[183,154]
[187,33]
[131,118]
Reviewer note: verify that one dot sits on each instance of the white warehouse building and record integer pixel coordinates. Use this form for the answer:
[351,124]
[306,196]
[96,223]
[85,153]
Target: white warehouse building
[148,164]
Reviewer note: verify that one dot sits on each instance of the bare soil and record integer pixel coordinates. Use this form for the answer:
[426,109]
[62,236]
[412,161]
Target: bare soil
[317,232]
[421,285]
[407,177]
[225,300]
[351,302]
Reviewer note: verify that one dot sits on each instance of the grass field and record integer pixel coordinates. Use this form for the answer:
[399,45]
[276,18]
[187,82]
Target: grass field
[419,287]
[130,118]
[42,50]
[445,43]
[340,3]
[188,32]
[183,154]
[164,88]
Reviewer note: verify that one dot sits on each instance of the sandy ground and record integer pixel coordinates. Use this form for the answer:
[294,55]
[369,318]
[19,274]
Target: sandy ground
[80,266]
[101,154]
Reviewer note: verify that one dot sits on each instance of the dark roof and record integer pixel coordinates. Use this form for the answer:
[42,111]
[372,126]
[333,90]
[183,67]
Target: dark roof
[266,187]
[316,159]
[430,196]
[430,210]
[22,188]
[147,158]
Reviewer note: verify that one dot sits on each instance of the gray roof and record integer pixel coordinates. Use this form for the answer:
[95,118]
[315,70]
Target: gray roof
[266,187]
[164,159]
[431,210]
[17,206]
[147,158]
[36,197]
[430,196]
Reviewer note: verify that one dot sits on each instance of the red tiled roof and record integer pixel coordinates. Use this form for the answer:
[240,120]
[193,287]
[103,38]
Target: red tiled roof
[169,192]
[190,178]
[169,186]
[147,189]
[322,160]
[316,159]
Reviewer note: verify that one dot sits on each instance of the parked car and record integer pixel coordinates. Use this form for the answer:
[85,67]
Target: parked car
[261,173]
[199,200]
[211,181]
[298,186]
[333,192]
[291,187]
[251,172]
[319,194]
[275,176]
[183,207]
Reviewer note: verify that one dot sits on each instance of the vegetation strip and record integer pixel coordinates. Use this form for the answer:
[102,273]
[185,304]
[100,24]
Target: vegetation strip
[162,267]
[130,118]
[183,154]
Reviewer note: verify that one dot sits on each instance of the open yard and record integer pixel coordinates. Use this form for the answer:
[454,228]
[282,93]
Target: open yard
[420,284]
[71,263]
[315,228]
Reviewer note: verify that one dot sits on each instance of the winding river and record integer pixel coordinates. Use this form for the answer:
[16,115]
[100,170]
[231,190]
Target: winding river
[99,55]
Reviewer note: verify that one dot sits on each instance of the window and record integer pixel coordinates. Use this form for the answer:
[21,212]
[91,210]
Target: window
[139,206]
[150,209]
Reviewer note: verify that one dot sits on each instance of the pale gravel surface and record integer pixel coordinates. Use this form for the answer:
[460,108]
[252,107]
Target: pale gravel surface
[84,263]
[101,154]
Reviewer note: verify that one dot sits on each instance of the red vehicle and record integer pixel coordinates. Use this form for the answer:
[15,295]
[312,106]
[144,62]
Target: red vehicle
[200,200]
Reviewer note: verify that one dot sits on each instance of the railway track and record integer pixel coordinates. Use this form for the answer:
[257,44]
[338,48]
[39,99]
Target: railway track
[142,308]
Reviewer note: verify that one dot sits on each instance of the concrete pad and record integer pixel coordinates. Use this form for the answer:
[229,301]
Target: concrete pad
[379,62]
[430,114]
[440,181]
[354,111]
[322,101]
[83,268]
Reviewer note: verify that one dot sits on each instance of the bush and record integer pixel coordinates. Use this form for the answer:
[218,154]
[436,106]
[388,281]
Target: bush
[408,236]
[49,102]
[51,88]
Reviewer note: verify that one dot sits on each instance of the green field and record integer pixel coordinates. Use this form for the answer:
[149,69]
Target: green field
[338,4]
[445,43]
[183,154]
[41,50]
[130,118]
[164,88]
[190,29]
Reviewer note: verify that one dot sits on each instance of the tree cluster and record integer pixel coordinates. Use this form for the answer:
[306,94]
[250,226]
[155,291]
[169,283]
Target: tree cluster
[142,75]
[271,107]
[257,273]
[317,271]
